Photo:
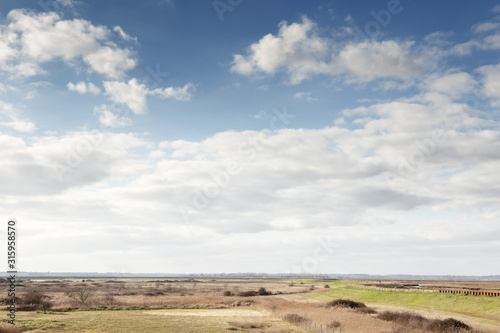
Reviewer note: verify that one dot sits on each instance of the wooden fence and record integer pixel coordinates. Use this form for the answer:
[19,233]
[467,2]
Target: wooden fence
[442,291]
[470,292]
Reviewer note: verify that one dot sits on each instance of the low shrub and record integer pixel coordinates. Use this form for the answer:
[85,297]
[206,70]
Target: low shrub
[348,304]
[366,310]
[295,319]
[447,325]
[407,319]
[345,303]
[33,300]
[334,324]
[250,293]
[264,292]
[403,318]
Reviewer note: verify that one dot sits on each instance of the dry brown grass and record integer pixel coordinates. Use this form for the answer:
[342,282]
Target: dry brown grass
[7,328]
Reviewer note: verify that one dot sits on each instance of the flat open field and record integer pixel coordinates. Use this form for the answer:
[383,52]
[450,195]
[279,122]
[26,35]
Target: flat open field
[247,305]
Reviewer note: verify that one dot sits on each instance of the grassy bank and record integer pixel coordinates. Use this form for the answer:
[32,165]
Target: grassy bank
[475,306]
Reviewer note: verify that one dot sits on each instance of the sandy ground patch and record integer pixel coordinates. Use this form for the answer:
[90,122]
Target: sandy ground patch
[208,313]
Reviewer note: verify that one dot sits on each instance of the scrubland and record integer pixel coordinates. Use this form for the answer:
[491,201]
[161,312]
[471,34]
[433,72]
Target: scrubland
[246,305]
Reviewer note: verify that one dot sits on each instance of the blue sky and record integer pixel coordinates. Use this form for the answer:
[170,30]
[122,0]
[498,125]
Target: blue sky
[232,136]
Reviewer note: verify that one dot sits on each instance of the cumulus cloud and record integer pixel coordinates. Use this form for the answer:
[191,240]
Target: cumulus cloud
[134,94]
[454,84]
[491,82]
[10,117]
[301,53]
[296,48]
[30,39]
[414,174]
[51,164]
[485,27]
[178,93]
[370,60]
[111,118]
[84,88]
[379,168]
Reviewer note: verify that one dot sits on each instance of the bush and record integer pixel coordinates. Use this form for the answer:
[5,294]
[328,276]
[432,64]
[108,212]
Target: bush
[34,301]
[227,293]
[345,303]
[366,310]
[108,299]
[248,293]
[447,325]
[334,324]
[327,286]
[81,295]
[264,292]
[403,318]
[348,304]
[407,319]
[261,291]
[295,319]
[33,297]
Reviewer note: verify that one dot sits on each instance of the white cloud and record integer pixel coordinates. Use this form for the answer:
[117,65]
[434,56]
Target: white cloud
[414,175]
[491,82]
[492,42]
[453,84]
[30,39]
[110,62]
[465,48]
[9,117]
[486,26]
[291,183]
[67,3]
[489,42]
[110,118]
[123,34]
[298,50]
[305,95]
[134,94]
[178,93]
[84,88]
[370,60]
